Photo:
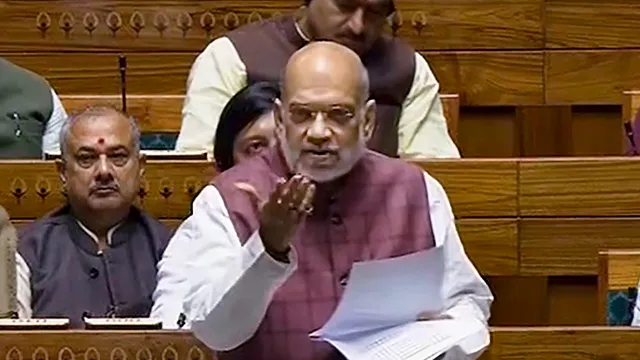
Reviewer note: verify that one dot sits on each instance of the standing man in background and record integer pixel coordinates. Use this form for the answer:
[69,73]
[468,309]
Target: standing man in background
[31,114]
[410,119]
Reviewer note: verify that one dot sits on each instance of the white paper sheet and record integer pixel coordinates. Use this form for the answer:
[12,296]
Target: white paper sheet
[388,292]
[376,317]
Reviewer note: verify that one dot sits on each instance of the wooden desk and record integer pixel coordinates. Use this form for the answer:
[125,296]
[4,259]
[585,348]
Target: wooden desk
[564,343]
[101,345]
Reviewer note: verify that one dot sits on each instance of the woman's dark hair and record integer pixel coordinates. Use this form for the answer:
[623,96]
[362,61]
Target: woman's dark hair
[242,109]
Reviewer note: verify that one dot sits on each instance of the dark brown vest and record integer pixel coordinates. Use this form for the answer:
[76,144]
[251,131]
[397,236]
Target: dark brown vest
[265,49]
[379,210]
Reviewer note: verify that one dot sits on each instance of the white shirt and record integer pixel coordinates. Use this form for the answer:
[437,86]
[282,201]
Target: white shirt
[23,276]
[218,73]
[224,287]
[51,136]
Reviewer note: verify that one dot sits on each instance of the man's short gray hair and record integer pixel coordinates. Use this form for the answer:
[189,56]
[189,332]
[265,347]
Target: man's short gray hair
[92,112]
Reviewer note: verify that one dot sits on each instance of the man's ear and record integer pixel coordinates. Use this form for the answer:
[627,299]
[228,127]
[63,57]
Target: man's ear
[278,116]
[142,164]
[61,167]
[369,124]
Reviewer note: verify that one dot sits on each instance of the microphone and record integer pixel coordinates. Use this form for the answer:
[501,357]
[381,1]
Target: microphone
[629,131]
[8,283]
[123,81]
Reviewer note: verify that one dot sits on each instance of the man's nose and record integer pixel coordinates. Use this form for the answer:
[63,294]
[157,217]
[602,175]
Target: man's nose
[103,169]
[356,22]
[318,132]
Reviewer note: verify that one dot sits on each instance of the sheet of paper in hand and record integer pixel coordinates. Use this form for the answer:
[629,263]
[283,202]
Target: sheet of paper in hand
[376,317]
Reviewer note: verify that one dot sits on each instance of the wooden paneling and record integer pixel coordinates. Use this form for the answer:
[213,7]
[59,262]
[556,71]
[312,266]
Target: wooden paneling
[484,188]
[489,77]
[545,130]
[20,192]
[512,294]
[466,74]
[590,122]
[157,113]
[592,24]
[581,187]
[492,245]
[590,76]
[98,73]
[489,132]
[572,300]
[565,246]
[439,24]
[563,343]
[87,344]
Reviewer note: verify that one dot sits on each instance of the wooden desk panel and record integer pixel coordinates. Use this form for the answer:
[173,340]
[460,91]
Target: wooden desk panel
[564,343]
[154,113]
[169,186]
[574,77]
[480,77]
[567,187]
[189,25]
[569,246]
[592,24]
[491,244]
[106,345]
[477,188]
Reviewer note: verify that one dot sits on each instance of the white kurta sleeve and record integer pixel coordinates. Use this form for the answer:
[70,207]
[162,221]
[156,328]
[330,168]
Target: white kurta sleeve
[467,295]
[226,286]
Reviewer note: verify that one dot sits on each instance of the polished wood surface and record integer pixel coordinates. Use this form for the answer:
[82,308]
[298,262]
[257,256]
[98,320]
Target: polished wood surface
[34,187]
[563,343]
[154,113]
[95,345]
[174,25]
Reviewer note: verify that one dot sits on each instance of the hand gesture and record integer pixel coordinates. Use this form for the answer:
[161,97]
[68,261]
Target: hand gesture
[282,213]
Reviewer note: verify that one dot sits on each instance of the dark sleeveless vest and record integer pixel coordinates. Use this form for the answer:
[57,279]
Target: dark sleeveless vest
[26,104]
[70,278]
[265,48]
[378,210]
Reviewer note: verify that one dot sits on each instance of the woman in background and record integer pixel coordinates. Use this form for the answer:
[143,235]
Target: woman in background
[246,125]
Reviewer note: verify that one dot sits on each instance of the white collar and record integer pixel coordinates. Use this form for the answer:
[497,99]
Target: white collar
[300,32]
[94,236]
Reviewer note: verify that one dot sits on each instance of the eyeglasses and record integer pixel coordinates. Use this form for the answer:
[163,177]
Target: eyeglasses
[302,113]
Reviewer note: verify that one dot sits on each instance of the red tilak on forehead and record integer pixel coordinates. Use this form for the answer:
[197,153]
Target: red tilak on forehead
[100,141]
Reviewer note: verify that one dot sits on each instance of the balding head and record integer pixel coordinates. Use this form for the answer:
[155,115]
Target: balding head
[328,64]
[324,119]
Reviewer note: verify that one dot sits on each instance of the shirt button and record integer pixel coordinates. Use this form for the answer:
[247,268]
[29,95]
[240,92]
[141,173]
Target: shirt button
[93,273]
[336,219]
[332,200]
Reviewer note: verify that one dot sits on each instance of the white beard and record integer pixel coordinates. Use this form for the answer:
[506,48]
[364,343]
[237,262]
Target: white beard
[347,160]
